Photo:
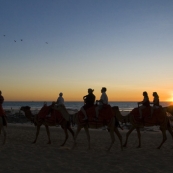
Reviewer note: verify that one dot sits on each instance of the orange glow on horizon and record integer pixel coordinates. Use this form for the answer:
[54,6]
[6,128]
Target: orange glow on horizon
[71,93]
[72,97]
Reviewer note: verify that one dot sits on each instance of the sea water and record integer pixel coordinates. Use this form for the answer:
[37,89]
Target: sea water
[74,105]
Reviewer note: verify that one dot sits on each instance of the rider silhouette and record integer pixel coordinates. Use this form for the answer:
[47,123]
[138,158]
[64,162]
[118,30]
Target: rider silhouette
[88,102]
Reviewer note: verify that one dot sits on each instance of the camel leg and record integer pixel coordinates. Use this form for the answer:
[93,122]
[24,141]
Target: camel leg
[112,137]
[4,132]
[88,136]
[76,134]
[48,134]
[71,131]
[66,136]
[127,135]
[119,136]
[139,137]
[37,133]
[164,138]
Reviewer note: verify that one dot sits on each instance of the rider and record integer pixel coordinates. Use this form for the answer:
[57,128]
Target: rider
[89,102]
[145,103]
[103,101]
[61,107]
[155,102]
[60,100]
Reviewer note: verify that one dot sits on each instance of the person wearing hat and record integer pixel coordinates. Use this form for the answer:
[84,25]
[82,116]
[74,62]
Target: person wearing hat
[103,101]
[88,102]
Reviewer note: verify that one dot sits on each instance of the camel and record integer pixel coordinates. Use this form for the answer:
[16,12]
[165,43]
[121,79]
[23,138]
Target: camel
[112,127]
[65,125]
[159,118]
[3,123]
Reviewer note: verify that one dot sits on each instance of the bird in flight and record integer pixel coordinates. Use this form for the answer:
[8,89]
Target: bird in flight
[4,35]
[46,42]
[21,39]
[14,40]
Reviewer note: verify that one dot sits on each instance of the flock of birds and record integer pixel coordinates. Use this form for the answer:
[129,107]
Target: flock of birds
[21,39]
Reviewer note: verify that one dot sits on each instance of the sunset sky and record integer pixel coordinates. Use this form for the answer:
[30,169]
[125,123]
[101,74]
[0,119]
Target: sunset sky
[71,45]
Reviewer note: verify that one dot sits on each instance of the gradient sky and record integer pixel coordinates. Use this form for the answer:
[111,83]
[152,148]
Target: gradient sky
[126,46]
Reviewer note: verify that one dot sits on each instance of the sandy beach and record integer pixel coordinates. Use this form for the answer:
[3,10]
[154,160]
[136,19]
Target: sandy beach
[20,155]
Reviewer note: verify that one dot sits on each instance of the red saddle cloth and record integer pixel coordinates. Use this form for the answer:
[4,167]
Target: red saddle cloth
[105,116]
[44,111]
[50,115]
[157,118]
[55,117]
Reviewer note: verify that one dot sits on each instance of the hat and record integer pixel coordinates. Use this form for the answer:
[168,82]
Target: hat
[104,88]
[91,90]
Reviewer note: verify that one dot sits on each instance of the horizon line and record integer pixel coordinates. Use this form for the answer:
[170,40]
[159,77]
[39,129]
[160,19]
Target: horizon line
[71,101]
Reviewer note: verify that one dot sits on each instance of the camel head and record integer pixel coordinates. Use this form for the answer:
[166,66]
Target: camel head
[27,111]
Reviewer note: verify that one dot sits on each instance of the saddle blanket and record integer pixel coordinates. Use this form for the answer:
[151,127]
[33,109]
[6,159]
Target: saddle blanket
[104,118]
[50,115]
[157,117]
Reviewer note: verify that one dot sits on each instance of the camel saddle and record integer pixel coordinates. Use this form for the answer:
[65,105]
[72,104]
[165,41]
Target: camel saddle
[104,118]
[50,115]
[157,118]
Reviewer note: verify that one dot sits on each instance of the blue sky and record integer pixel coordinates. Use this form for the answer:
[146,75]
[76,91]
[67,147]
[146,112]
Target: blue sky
[126,46]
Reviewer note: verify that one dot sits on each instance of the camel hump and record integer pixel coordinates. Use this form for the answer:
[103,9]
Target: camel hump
[45,110]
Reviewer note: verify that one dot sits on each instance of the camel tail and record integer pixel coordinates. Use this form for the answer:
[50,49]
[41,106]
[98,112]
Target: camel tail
[117,124]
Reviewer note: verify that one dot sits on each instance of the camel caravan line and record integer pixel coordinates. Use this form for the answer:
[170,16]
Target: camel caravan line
[108,116]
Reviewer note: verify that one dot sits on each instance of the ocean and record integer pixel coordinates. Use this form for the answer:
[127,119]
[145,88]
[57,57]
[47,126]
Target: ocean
[36,105]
